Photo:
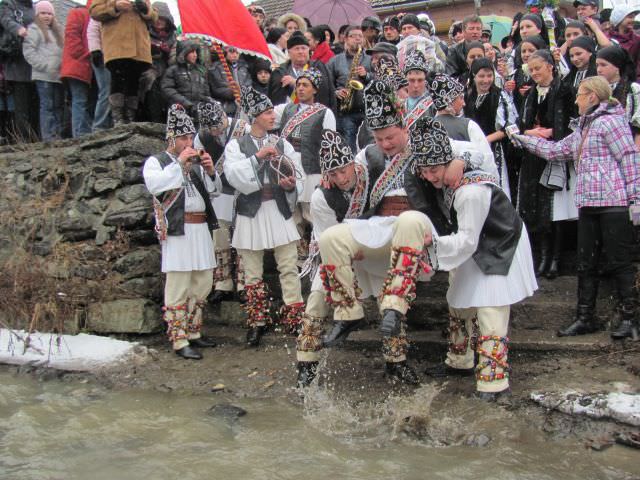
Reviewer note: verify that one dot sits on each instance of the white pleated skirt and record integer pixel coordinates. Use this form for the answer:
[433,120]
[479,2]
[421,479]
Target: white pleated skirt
[564,202]
[268,229]
[469,287]
[223,206]
[192,251]
[309,185]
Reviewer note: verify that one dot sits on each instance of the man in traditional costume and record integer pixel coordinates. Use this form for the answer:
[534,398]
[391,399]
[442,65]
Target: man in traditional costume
[182,182]
[301,124]
[387,242]
[488,255]
[419,102]
[342,195]
[214,132]
[266,172]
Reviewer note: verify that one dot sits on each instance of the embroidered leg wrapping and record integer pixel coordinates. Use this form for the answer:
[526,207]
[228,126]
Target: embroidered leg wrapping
[399,288]
[177,318]
[309,343]
[394,349]
[462,333]
[258,305]
[492,367]
[194,325]
[343,299]
[291,316]
[223,273]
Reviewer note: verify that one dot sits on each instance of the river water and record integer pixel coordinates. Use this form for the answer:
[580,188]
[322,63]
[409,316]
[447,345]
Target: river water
[60,430]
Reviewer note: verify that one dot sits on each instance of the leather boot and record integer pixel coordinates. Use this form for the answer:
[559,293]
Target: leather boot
[442,370]
[340,331]
[627,327]
[554,266]
[401,371]
[544,258]
[306,373]
[391,323]
[493,396]
[130,109]
[584,323]
[116,100]
[219,296]
[189,353]
[254,335]
[202,342]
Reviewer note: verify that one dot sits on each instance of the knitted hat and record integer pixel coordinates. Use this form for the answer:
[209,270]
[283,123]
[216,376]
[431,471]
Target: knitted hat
[429,143]
[179,123]
[297,38]
[253,102]
[313,75]
[444,90]
[583,42]
[410,19]
[415,61]
[43,6]
[380,106]
[334,151]
[211,114]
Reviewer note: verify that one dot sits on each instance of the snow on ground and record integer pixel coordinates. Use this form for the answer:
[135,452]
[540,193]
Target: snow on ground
[620,406]
[66,352]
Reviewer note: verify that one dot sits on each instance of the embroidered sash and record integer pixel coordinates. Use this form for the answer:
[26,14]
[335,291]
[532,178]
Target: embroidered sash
[389,176]
[299,117]
[469,178]
[420,109]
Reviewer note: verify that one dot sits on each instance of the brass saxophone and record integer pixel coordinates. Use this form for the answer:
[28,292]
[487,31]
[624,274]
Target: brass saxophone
[346,104]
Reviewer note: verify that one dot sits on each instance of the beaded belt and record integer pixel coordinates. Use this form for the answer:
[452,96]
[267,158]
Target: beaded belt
[267,192]
[195,217]
[393,206]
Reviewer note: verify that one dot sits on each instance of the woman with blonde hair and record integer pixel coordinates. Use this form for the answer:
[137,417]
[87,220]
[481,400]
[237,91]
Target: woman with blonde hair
[42,49]
[607,194]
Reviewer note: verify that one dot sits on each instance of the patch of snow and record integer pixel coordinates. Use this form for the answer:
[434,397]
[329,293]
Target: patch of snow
[81,352]
[620,406]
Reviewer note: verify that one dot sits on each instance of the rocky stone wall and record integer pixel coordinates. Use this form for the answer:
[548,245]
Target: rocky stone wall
[77,244]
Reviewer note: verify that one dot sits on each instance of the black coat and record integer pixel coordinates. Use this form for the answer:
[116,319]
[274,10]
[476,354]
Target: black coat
[457,60]
[278,94]
[185,83]
[219,84]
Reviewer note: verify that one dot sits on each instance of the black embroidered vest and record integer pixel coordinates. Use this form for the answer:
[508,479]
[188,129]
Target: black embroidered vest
[248,205]
[305,137]
[175,213]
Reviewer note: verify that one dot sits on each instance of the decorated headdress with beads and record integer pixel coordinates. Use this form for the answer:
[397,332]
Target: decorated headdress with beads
[211,115]
[253,102]
[335,152]
[313,75]
[179,123]
[444,90]
[415,61]
[429,143]
[387,71]
[381,106]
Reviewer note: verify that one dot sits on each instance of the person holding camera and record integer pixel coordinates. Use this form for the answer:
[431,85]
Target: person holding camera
[183,181]
[126,47]
[607,193]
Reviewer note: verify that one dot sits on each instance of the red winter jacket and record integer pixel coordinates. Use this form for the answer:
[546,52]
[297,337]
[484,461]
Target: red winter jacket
[323,53]
[76,61]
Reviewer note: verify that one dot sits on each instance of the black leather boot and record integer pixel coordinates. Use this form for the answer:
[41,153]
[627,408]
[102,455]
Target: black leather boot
[545,258]
[442,370]
[554,265]
[493,396]
[220,296]
[391,323]
[583,324]
[627,327]
[401,371]
[202,342]
[340,331]
[254,334]
[306,373]
[189,353]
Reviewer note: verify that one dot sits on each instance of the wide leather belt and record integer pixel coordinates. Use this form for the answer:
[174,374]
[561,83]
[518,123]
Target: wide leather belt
[195,217]
[267,192]
[393,206]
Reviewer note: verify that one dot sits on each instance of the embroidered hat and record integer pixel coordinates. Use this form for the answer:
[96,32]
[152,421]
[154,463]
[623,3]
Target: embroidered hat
[415,61]
[313,75]
[335,152]
[387,71]
[429,143]
[253,102]
[380,107]
[444,90]
[179,123]
[211,114]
